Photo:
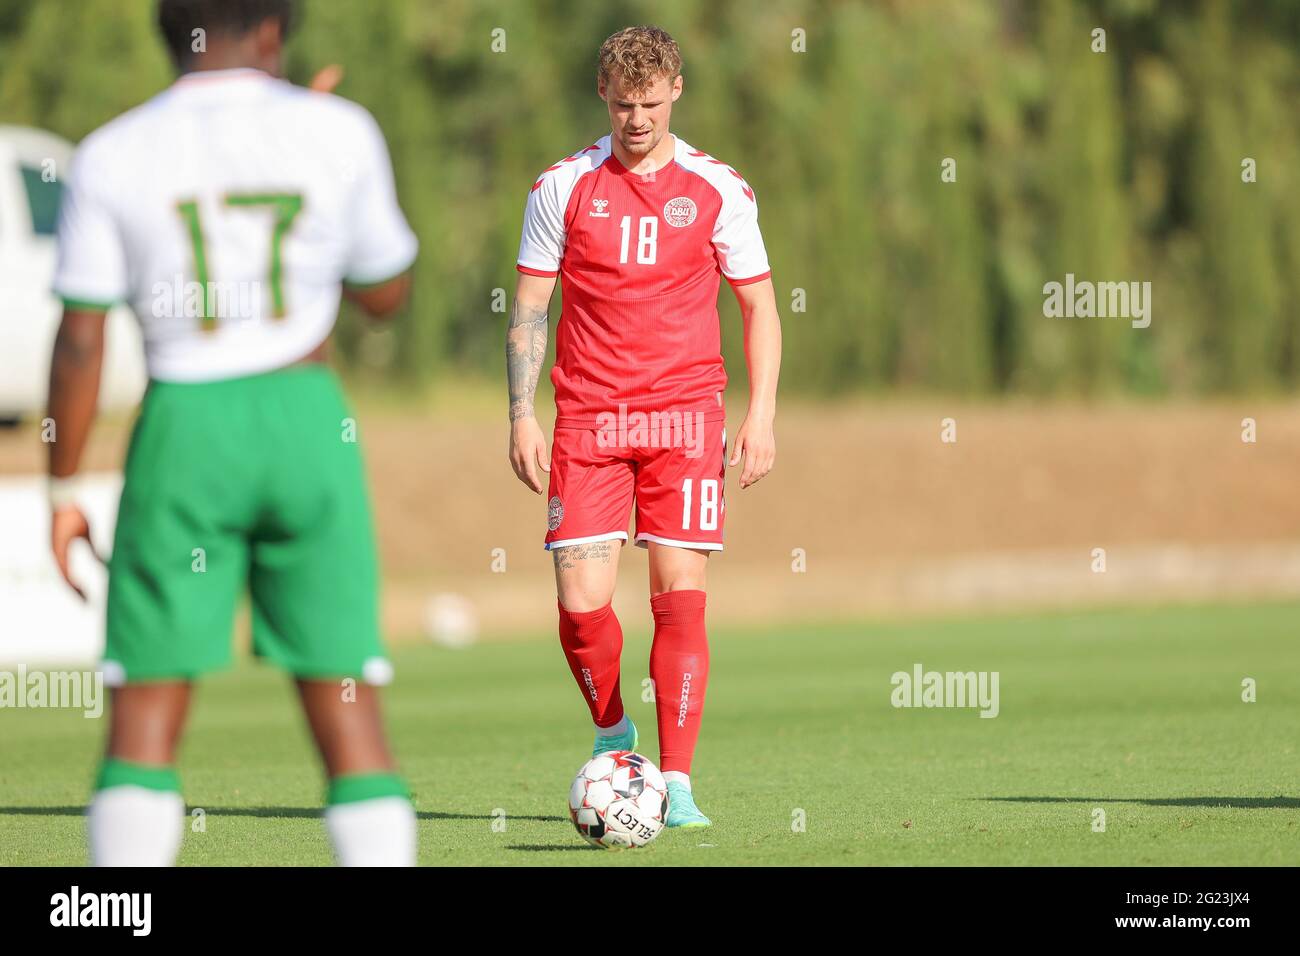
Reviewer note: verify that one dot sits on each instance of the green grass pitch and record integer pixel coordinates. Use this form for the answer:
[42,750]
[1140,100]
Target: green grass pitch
[1136,712]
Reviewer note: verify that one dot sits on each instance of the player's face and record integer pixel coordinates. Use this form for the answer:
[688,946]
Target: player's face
[639,119]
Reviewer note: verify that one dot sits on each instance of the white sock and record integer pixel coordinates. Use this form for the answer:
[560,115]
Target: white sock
[135,826]
[375,832]
[676,776]
[615,731]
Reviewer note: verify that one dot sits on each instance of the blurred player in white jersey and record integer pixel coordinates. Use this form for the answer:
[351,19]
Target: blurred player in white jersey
[231,212]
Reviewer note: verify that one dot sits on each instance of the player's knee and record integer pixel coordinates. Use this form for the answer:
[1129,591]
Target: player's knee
[677,575]
[146,722]
[680,581]
[348,728]
[581,597]
[677,569]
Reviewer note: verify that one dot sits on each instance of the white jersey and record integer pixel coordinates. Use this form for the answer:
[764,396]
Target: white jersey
[226,211]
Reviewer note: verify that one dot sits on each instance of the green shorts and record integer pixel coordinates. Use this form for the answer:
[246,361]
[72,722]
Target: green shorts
[253,482]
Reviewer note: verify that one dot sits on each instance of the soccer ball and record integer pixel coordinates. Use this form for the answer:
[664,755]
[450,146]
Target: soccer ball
[618,800]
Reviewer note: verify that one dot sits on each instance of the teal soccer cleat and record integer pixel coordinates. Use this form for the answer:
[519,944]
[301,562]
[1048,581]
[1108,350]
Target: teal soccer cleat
[682,811]
[627,741]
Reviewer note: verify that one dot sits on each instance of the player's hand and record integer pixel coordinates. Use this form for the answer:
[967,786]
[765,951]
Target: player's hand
[328,78]
[757,444]
[528,452]
[67,524]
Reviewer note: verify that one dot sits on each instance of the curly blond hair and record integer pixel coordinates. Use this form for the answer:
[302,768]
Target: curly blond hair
[641,56]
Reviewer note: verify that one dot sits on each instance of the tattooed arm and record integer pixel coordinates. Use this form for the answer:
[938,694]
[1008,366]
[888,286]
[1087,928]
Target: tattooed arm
[525,353]
[526,342]
[74,392]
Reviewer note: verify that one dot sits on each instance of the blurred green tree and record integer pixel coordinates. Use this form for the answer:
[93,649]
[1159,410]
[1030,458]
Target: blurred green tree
[1122,165]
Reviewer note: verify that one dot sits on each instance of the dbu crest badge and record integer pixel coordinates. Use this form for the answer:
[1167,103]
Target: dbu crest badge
[680,211]
[554,514]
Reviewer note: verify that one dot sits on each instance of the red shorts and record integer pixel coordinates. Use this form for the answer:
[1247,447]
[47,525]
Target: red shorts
[675,475]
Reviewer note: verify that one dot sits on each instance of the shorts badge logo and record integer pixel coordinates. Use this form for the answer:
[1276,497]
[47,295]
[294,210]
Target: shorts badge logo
[554,514]
[680,211]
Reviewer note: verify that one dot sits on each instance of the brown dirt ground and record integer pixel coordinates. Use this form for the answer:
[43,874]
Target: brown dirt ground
[891,519]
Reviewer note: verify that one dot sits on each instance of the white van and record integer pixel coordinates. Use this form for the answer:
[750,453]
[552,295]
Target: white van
[32,163]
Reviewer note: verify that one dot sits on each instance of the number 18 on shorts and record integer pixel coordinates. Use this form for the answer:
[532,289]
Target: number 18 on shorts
[676,478]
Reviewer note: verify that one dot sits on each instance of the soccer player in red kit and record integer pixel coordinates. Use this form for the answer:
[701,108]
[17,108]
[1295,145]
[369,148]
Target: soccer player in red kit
[639,227]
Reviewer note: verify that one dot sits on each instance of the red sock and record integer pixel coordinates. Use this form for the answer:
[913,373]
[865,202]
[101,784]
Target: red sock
[679,666]
[593,643]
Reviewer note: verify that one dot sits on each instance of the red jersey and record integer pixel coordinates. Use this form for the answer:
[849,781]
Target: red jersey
[639,259]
